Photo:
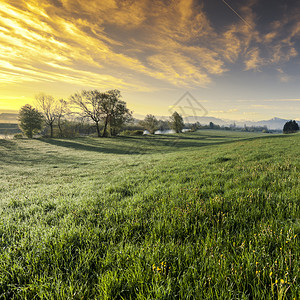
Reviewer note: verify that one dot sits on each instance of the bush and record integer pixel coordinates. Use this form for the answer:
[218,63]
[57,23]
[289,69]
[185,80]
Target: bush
[30,120]
[131,132]
[18,136]
[177,123]
[290,127]
[150,123]
[137,132]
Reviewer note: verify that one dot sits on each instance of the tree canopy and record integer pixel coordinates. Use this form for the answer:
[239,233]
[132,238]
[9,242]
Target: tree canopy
[177,123]
[88,102]
[115,113]
[150,123]
[120,115]
[30,120]
[99,107]
[290,127]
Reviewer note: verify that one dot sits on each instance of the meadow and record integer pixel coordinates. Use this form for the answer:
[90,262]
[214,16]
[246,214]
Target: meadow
[203,215]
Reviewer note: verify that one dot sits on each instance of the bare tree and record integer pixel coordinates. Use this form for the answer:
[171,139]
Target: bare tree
[48,105]
[89,104]
[62,109]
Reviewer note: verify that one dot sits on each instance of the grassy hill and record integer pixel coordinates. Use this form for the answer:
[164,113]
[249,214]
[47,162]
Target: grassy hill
[205,215]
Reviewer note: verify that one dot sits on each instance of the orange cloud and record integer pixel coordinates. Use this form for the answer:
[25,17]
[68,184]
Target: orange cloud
[56,39]
[130,44]
[253,60]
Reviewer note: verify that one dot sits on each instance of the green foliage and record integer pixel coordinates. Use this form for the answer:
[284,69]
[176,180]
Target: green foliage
[177,123]
[163,125]
[195,126]
[115,112]
[150,123]
[290,127]
[106,107]
[213,126]
[131,132]
[204,215]
[18,136]
[30,120]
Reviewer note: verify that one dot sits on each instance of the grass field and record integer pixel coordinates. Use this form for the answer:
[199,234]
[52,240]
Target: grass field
[204,215]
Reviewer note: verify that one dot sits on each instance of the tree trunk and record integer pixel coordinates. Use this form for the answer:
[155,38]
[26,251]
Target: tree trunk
[105,127]
[98,129]
[59,127]
[51,130]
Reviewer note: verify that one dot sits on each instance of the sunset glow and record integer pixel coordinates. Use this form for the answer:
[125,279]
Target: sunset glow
[240,63]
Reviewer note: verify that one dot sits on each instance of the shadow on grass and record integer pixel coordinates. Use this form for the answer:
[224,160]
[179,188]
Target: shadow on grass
[123,145]
[8,144]
[12,153]
[83,145]
[130,145]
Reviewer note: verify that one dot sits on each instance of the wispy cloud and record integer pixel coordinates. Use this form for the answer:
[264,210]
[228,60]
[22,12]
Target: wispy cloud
[130,43]
[229,111]
[282,100]
[67,34]
[253,60]
[283,77]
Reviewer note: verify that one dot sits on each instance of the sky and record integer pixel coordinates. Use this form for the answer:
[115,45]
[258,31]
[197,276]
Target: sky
[238,58]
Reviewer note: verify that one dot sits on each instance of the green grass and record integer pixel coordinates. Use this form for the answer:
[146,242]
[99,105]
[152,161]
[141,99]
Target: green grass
[205,215]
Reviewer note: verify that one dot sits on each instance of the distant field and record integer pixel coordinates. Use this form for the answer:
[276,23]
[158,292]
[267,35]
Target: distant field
[7,129]
[204,215]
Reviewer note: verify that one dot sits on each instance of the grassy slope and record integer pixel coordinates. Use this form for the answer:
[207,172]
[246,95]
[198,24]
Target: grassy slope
[208,215]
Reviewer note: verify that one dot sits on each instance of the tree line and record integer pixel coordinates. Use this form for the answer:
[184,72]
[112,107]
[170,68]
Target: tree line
[108,113]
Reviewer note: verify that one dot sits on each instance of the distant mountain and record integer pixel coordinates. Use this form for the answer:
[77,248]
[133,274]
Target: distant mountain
[8,117]
[206,120]
[273,124]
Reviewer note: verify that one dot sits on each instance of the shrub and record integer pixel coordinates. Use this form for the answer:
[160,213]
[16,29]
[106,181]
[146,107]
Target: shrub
[131,132]
[30,120]
[18,136]
[290,127]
